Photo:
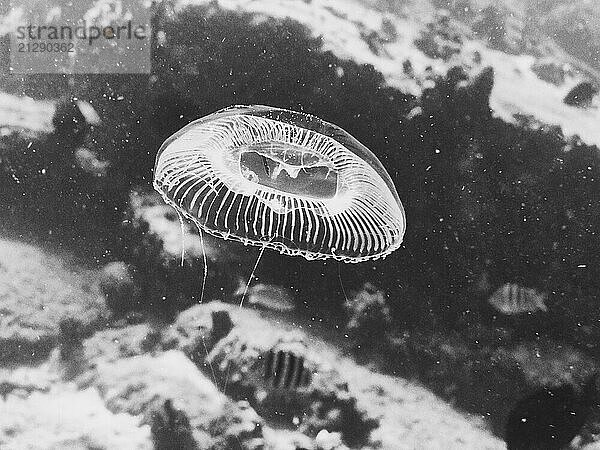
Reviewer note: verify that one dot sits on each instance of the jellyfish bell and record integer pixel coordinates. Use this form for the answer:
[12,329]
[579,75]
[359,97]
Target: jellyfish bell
[283,180]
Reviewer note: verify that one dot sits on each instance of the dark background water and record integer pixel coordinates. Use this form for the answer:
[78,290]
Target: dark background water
[487,202]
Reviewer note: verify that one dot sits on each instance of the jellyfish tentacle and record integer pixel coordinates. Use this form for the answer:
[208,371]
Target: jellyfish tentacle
[180,216]
[262,250]
[205,269]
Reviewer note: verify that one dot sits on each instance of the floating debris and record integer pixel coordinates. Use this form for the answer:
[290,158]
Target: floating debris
[90,162]
[88,112]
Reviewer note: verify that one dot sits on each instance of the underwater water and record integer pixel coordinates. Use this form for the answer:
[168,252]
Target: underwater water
[393,244]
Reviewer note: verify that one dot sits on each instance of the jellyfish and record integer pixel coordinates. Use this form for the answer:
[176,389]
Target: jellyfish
[281,180]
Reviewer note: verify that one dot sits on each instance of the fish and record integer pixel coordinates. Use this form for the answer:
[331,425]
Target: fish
[267,296]
[513,299]
[285,370]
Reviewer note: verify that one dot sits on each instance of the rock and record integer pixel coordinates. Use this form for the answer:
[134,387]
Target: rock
[193,330]
[238,423]
[171,429]
[163,222]
[70,349]
[37,291]
[440,39]
[142,384]
[242,348]
[283,439]
[23,381]
[71,335]
[238,362]
[24,114]
[368,315]
[581,95]
[550,71]
[66,418]
[117,285]
[328,441]
[480,88]
[491,27]
[221,325]
[111,344]
[408,68]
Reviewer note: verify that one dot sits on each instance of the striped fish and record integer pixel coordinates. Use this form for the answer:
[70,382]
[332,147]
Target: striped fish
[512,299]
[285,370]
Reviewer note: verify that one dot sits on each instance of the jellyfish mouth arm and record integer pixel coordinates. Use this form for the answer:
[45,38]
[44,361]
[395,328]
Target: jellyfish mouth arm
[288,157]
[273,176]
